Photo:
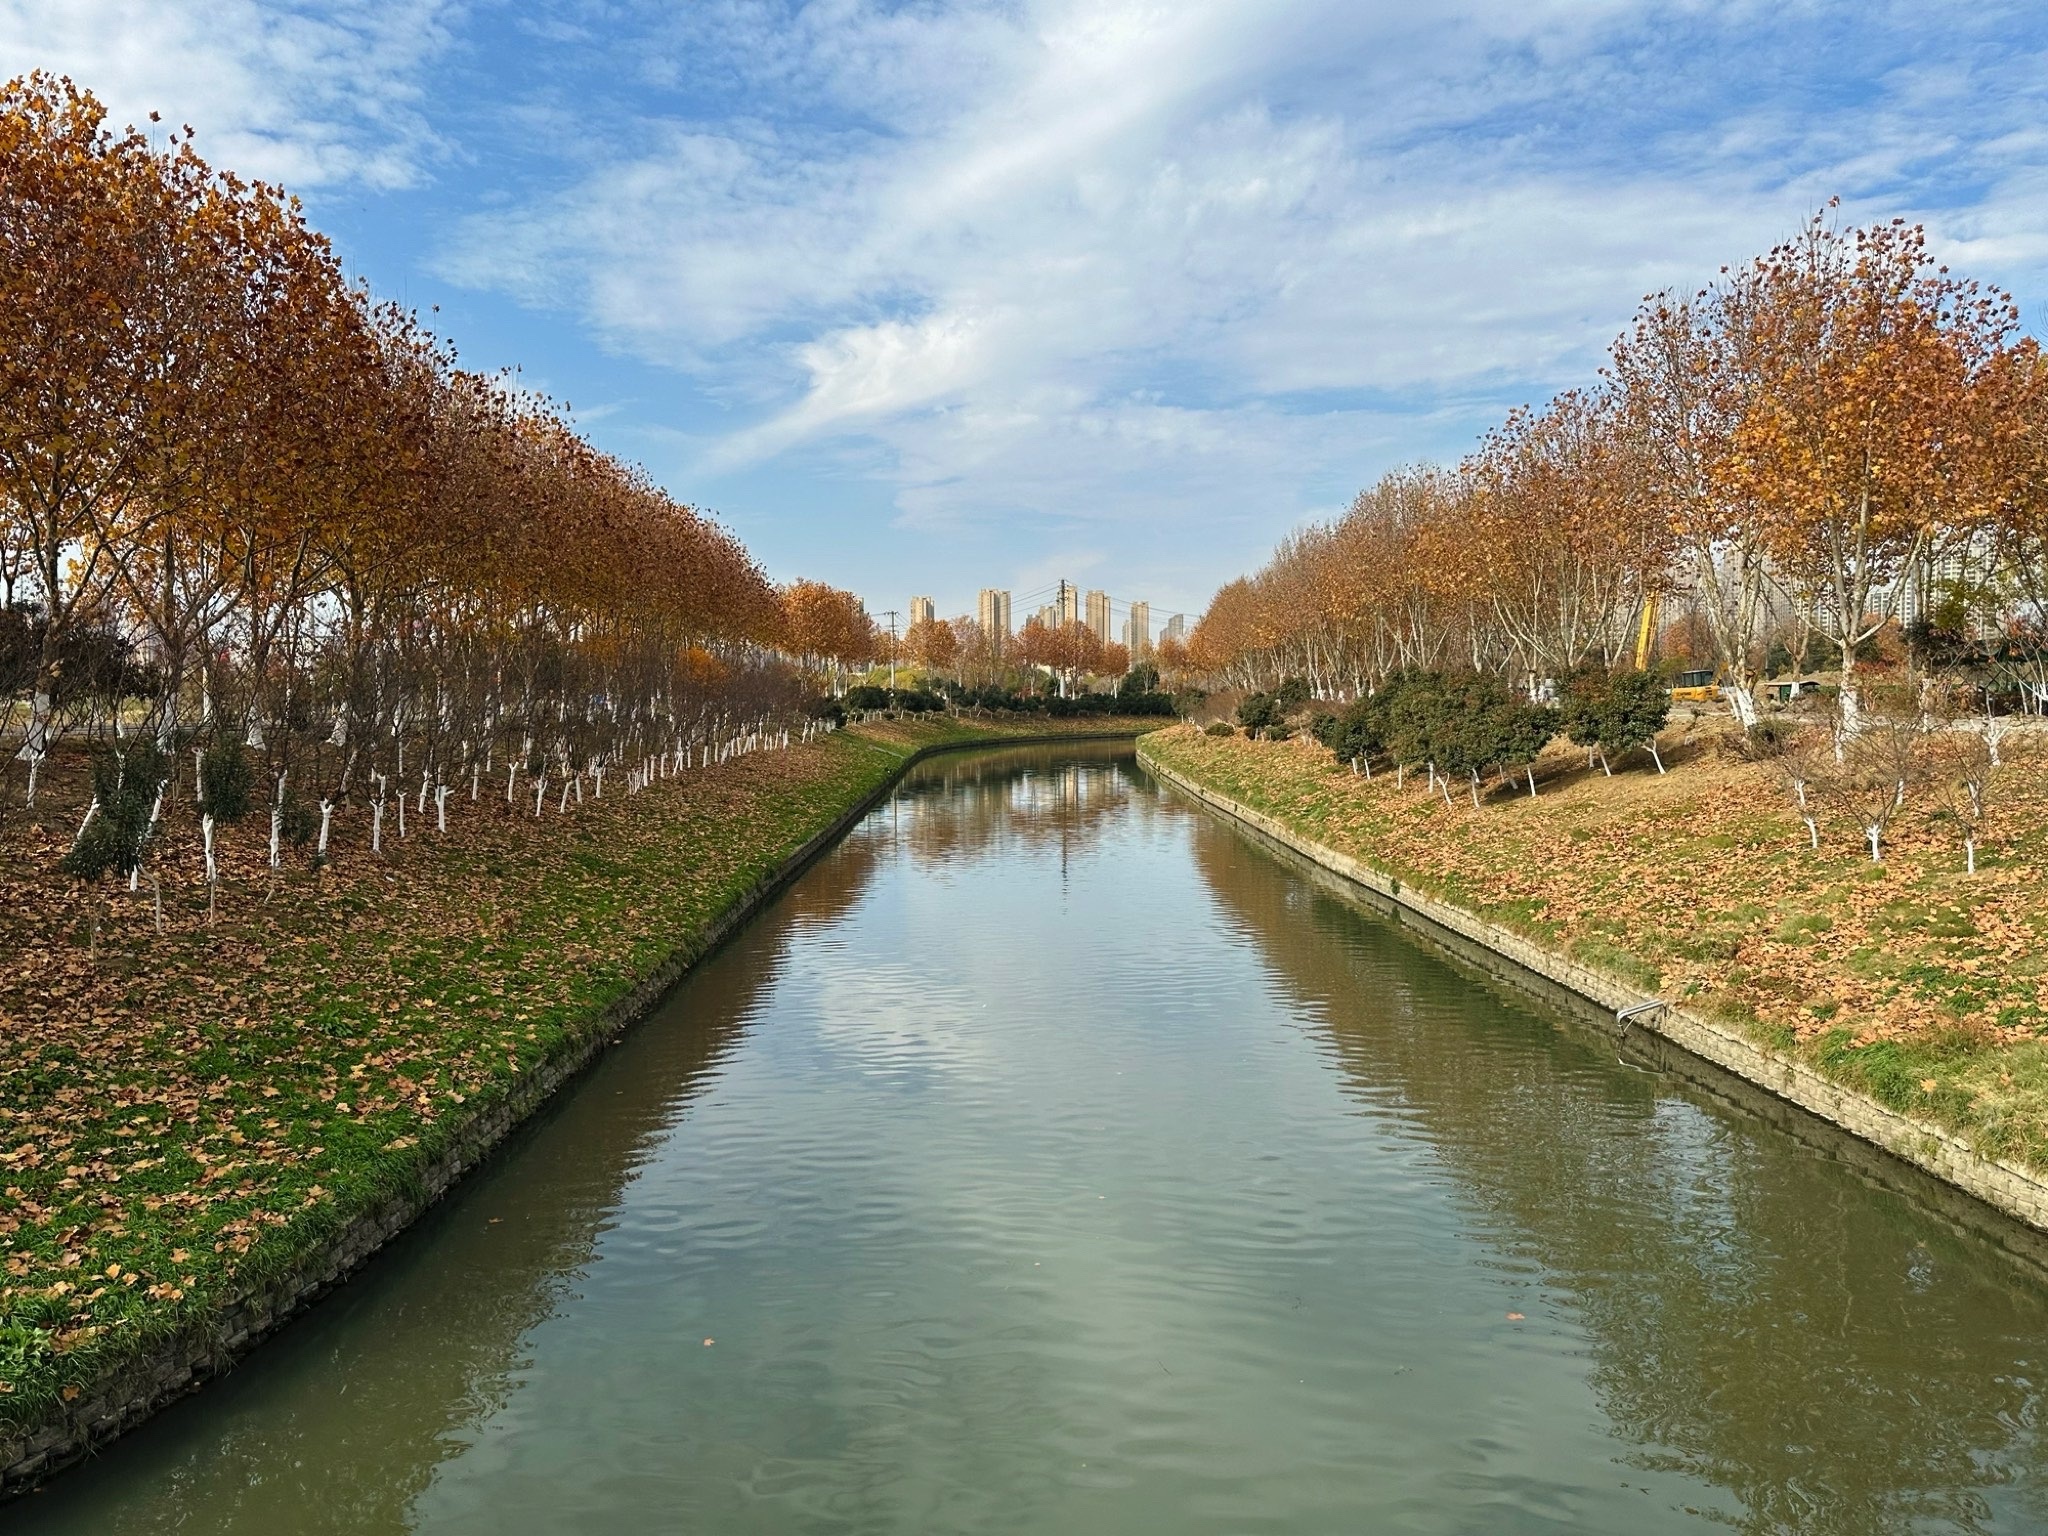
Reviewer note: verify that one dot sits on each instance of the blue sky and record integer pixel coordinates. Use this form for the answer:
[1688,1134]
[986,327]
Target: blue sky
[924,297]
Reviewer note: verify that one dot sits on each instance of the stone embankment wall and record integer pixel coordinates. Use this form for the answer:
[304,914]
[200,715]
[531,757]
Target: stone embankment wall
[2009,1188]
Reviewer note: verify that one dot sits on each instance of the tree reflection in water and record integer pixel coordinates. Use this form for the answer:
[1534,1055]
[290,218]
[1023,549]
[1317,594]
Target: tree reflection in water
[1194,1078]
[1838,1360]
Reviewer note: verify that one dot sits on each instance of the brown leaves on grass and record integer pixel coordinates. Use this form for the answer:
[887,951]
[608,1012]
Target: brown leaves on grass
[161,1109]
[1704,878]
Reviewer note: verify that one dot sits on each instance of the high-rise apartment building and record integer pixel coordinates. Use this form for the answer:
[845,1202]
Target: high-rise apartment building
[1098,615]
[1067,609]
[1176,628]
[993,615]
[922,610]
[1138,632]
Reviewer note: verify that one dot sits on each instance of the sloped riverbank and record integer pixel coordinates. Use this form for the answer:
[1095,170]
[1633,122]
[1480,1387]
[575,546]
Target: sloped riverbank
[1920,1097]
[206,1129]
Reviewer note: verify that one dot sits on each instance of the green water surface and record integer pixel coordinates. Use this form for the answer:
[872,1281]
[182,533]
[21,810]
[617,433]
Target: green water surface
[1052,1159]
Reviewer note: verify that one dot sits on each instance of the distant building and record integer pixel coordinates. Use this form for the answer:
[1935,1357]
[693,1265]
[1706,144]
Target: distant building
[1176,628]
[1098,615]
[922,610]
[1138,631]
[1068,609]
[993,615]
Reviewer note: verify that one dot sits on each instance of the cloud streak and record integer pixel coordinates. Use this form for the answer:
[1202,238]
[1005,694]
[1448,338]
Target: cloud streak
[316,94]
[1148,280]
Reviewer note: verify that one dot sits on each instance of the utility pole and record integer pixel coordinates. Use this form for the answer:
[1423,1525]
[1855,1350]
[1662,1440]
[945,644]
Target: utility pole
[890,613]
[1060,624]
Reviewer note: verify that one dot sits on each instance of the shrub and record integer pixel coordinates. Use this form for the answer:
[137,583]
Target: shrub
[1765,740]
[1220,728]
[1359,733]
[227,782]
[298,821]
[125,780]
[1291,694]
[1258,711]
[1615,712]
[1143,678]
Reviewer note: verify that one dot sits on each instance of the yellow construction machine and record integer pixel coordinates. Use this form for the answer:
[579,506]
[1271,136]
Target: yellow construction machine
[1697,687]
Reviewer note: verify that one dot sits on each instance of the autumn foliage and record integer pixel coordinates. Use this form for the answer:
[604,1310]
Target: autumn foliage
[1792,455]
[243,503]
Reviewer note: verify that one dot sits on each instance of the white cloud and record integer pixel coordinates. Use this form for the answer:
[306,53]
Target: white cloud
[1150,278]
[311,94]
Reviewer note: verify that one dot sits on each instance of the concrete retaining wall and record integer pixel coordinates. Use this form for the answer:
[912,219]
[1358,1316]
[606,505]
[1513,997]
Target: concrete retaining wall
[2009,1188]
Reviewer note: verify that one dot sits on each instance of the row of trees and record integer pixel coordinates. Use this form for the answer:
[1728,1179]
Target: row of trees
[244,506]
[1839,435]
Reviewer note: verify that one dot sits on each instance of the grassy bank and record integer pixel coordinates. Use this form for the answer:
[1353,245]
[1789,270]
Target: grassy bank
[187,1111]
[1910,980]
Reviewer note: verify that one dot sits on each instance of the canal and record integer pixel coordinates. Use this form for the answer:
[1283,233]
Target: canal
[1053,1159]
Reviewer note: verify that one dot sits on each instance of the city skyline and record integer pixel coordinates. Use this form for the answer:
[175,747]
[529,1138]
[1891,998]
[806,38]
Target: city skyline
[1096,609]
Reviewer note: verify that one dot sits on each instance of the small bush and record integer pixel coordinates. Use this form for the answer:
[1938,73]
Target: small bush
[1614,712]
[1220,728]
[1766,739]
[124,785]
[1258,711]
[299,821]
[227,781]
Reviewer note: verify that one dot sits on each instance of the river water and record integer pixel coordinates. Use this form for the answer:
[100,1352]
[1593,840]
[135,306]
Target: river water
[1053,1159]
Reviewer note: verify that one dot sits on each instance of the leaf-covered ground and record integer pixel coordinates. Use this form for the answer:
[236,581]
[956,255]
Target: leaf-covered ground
[181,1112]
[1909,979]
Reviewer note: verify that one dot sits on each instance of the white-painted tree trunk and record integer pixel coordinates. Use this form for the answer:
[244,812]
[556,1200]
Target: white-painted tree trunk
[277,825]
[1743,702]
[36,744]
